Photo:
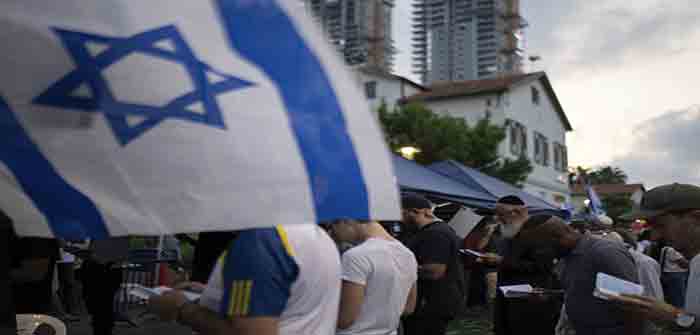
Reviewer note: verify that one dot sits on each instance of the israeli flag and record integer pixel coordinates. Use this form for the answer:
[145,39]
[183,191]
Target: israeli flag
[170,116]
[596,206]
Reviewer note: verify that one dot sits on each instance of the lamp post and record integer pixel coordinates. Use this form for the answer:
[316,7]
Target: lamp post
[409,152]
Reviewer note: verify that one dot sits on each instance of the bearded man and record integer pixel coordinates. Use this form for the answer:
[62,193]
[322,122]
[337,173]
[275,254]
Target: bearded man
[520,264]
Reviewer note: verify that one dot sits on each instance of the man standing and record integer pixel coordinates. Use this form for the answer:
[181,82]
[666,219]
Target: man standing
[283,280]
[8,323]
[584,257]
[673,211]
[441,289]
[522,264]
[379,279]
[101,277]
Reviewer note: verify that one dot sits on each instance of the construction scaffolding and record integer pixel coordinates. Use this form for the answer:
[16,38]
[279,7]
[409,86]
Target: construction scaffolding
[457,40]
[359,29]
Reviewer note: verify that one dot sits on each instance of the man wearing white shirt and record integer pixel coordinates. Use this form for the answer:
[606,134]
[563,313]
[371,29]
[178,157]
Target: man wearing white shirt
[379,279]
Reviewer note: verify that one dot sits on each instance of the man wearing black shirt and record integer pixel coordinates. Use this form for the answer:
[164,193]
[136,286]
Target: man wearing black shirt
[441,288]
[522,264]
[8,324]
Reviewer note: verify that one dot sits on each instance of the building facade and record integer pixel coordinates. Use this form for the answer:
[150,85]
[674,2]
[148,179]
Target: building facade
[381,87]
[359,29]
[456,40]
[527,106]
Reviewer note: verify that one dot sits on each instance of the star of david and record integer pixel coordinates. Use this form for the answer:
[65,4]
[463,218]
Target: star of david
[88,72]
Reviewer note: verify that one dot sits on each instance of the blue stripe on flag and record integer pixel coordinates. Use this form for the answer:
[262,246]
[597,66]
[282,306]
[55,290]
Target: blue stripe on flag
[262,33]
[70,214]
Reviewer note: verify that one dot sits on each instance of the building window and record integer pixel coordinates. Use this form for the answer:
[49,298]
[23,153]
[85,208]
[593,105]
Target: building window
[371,89]
[535,95]
[541,150]
[518,138]
[561,161]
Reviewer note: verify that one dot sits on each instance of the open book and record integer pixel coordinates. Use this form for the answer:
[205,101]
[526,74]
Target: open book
[610,285]
[471,252]
[147,292]
[516,291]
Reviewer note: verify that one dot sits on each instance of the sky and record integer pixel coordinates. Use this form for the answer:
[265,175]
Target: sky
[626,73]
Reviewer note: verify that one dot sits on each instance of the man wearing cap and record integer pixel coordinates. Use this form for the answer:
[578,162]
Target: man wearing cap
[522,264]
[441,288]
[673,211]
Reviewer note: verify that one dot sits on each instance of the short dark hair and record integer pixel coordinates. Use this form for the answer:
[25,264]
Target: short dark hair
[511,200]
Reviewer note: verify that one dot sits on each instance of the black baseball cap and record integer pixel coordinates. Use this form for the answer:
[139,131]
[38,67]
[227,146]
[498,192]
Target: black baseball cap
[667,198]
[415,201]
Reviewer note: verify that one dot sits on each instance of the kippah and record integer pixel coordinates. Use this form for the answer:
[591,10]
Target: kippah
[511,200]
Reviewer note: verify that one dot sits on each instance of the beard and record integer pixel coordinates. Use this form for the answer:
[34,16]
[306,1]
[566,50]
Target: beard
[510,230]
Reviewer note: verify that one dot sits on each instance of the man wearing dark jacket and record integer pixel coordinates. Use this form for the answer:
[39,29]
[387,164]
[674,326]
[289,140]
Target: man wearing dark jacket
[520,264]
[441,288]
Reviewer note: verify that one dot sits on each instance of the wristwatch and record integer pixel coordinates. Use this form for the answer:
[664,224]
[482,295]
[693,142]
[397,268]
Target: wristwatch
[685,320]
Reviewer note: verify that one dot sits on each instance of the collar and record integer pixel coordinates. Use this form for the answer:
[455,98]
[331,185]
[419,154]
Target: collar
[430,225]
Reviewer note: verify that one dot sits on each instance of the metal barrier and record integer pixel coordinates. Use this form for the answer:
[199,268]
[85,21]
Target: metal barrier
[141,269]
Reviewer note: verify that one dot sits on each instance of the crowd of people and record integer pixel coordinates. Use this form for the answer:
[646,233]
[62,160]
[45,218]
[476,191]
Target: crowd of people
[357,277]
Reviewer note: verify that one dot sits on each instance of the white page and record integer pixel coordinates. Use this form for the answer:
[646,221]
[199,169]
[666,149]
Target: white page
[516,291]
[615,286]
[471,252]
[147,292]
[464,222]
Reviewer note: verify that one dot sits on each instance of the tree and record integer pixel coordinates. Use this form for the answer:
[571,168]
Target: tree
[616,204]
[442,137]
[607,175]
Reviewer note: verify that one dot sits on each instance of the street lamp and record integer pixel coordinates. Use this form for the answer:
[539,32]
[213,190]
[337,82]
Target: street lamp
[409,152]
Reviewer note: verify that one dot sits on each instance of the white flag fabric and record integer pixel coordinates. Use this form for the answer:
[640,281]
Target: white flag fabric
[164,116]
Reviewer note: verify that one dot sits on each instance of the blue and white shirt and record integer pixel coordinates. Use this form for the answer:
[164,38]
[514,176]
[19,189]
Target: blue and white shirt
[291,272]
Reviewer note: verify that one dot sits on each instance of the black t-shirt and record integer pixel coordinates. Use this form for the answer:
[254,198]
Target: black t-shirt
[437,243]
[34,297]
[7,309]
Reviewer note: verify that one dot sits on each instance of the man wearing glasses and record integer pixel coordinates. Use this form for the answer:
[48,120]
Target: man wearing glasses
[673,211]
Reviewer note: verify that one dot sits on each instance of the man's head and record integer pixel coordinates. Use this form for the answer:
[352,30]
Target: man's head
[417,211]
[547,231]
[347,231]
[512,214]
[673,211]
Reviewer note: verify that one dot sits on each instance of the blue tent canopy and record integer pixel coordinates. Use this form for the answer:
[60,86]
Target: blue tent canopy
[495,188]
[413,177]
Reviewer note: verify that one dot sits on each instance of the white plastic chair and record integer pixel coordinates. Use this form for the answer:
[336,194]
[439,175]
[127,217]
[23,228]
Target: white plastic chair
[28,323]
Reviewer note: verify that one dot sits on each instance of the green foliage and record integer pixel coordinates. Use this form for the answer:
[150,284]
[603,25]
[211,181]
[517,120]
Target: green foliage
[442,137]
[607,175]
[615,205]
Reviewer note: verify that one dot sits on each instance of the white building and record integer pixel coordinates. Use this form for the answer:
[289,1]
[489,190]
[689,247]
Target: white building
[383,87]
[536,123]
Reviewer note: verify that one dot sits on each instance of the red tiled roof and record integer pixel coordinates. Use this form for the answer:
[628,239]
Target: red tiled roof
[484,86]
[466,88]
[609,189]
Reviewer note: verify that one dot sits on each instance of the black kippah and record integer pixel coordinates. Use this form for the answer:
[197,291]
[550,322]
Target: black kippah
[536,221]
[511,200]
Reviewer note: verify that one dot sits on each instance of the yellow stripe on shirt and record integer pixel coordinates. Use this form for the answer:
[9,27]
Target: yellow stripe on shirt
[285,240]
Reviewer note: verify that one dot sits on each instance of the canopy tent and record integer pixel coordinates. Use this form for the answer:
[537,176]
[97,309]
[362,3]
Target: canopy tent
[495,188]
[413,177]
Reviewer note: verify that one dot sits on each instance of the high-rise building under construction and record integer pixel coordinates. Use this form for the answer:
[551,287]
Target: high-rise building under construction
[360,29]
[455,40]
